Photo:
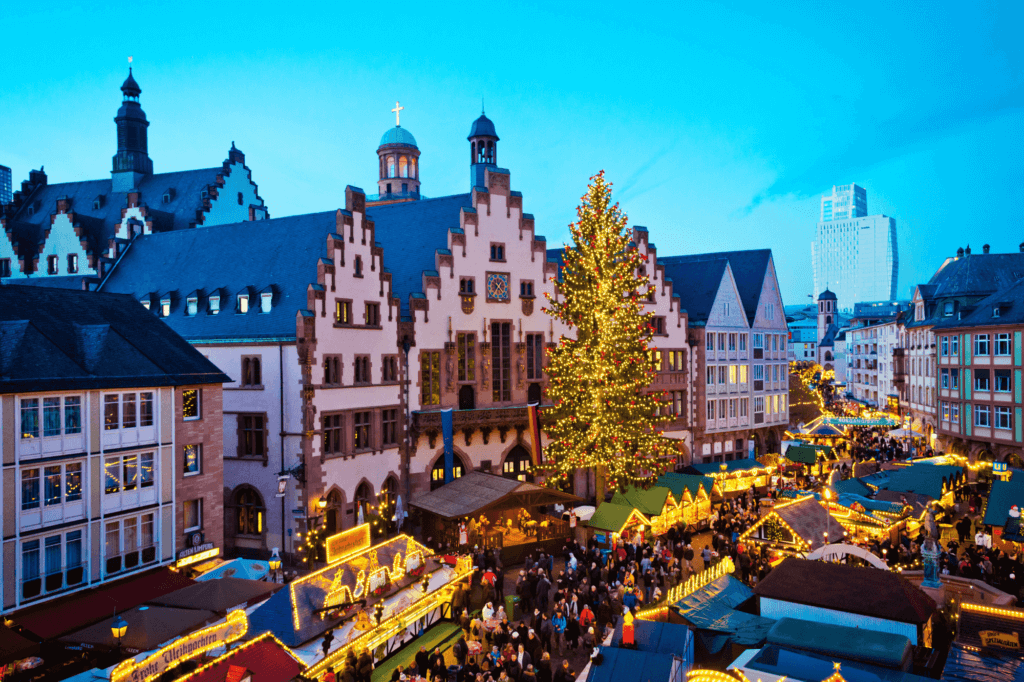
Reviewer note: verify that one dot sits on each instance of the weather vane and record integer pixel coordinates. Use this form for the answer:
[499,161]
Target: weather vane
[396,110]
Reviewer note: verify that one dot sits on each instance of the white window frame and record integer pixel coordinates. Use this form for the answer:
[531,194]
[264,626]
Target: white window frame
[980,410]
[199,459]
[982,340]
[199,404]
[199,515]
[214,302]
[191,306]
[1003,345]
[1002,417]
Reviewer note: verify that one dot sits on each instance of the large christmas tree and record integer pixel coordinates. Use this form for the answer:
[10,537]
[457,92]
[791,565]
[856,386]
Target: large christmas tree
[604,417]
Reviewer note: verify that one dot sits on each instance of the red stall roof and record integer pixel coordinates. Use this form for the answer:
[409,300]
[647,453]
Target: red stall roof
[265,658]
[61,616]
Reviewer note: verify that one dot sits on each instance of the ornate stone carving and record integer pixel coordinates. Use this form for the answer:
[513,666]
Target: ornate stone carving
[449,352]
[468,303]
[432,437]
[520,365]
[527,306]
[485,365]
[502,432]
[467,434]
[485,431]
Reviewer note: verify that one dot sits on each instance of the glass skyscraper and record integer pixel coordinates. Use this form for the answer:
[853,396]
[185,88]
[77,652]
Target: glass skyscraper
[854,254]
[5,185]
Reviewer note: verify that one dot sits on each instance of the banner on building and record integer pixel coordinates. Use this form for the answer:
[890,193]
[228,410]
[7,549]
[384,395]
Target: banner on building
[447,435]
[533,413]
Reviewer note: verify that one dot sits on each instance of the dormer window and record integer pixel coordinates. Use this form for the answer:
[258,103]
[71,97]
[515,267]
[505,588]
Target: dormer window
[192,305]
[243,303]
[145,302]
[30,210]
[165,307]
[947,309]
[169,196]
[205,194]
[98,202]
[995,311]
[214,304]
[266,299]
[51,265]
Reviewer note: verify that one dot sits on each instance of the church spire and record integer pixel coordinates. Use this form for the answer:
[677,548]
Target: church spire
[132,161]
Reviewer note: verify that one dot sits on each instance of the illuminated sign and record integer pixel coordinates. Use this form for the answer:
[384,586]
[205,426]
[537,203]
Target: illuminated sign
[348,542]
[196,554]
[182,649]
[1000,640]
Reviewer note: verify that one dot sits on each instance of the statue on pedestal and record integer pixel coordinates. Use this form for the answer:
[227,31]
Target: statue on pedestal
[930,552]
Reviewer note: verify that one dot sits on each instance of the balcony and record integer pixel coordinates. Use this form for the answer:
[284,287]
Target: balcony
[502,418]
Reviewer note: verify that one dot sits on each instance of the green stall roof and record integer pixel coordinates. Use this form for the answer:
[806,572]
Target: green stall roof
[677,483]
[650,502]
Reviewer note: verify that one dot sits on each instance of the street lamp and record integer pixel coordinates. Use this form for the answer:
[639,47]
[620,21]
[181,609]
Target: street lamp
[274,564]
[322,503]
[118,628]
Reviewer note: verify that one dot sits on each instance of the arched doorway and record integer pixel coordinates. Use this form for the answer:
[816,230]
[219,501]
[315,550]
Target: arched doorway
[386,500]
[249,514]
[467,398]
[517,464]
[533,394]
[362,500]
[331,514]
[1014,461]
[437,472]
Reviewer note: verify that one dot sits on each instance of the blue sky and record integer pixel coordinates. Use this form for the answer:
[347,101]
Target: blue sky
[721,125]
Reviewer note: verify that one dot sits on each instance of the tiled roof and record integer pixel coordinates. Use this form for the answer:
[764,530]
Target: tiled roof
[280,253]
[852,589]
[696,284]
[101,223]
[58,339]
[749,268]
[410,233]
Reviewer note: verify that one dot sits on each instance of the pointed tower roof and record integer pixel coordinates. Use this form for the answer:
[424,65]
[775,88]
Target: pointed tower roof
[482,127]
[130,88]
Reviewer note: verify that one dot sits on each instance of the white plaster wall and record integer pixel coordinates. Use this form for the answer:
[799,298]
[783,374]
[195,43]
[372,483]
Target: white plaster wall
[134,212]
[268,400]
[771,296]
[226,209]
[61,242]
[7,251]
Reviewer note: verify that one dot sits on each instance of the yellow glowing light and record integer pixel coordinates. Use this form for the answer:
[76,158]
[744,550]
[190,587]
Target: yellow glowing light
[196,558]
[266,635]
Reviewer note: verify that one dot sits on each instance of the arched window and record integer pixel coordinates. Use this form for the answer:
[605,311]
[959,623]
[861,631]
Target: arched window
[250,511]
[363,499]
[333,509]
[403,167]
[437,473]
[252,374]
[533,393]
[828,319]
[414,171]
[828,356]
[391,166]
[517,464]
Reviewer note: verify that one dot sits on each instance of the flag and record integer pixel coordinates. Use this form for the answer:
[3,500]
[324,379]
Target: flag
[533,414]
[448,437]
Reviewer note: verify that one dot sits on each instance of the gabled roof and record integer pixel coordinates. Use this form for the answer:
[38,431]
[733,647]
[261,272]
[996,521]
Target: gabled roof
[281,253]
[749,269]
[852,589]
[410,233]
[264,657]
[58,339]
[612,517]
[1009,301]
[696,283]
[477,492]
[808,519]
[923,479]
[650,502]
[101,223]
[677,483]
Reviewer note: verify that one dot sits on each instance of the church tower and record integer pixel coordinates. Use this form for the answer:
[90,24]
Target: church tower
[399,160]
[826,312]
[483,149]
[132,161]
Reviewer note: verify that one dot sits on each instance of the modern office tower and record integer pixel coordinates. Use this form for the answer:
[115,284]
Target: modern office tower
[5,185]
[854,254]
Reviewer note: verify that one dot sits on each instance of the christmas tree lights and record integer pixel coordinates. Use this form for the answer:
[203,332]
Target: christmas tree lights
[604,417]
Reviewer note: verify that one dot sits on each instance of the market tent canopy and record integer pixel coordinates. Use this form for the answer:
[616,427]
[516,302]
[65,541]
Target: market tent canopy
[659,638]
[1004,495]
[854,421]
[825,431]
[931,480]
[148,627]
[614,517]
[853,486]
[650,502]
[264,657]
[249,569]
[626,665]
[479,492]
[61,616]
[802,454]
[219,595]
[677,483]
[14,647]
[725,468]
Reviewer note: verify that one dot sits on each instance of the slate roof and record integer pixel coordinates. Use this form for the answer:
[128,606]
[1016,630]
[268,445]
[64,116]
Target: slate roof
[411,232]
[279,253]
[100,224]
[866,591]
[483,126]
[57,339]
[1010,302]
[749,268]
[977,275]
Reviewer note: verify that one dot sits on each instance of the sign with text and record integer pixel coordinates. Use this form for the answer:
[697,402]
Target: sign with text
[197,553]
[348,542]
[182,649]
[1000,640]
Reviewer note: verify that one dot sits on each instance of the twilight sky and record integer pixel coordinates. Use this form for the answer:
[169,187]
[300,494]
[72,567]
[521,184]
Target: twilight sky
[720,127]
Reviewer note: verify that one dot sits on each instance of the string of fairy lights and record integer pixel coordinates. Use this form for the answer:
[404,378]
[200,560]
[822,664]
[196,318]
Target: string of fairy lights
[604,416]
[310,543]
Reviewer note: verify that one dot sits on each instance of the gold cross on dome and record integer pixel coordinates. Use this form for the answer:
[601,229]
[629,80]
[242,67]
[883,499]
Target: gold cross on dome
[396,111]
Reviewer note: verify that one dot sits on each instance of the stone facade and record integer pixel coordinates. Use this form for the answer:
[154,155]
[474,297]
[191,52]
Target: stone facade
[199,465]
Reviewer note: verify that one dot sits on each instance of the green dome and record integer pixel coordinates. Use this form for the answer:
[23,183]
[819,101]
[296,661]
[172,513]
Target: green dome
[398,135]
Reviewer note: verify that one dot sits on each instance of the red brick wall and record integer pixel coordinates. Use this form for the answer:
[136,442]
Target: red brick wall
[207,431]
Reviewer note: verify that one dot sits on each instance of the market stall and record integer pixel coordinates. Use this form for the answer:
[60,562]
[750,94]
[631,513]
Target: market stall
[262,659]
[493,512]
[656,503]
[736,476]
[693,495]
[613,523]
[794,528]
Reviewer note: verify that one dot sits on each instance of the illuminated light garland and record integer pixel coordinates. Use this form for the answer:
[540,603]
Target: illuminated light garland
[129,670]
[701,580]
[266,635]
[396,623]
[993,610]
[800,543]
[702,675]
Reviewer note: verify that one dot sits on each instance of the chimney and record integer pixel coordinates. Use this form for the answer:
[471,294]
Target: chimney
[960,252]
[1022,247]
[37,177]
[967,251]
[984,249]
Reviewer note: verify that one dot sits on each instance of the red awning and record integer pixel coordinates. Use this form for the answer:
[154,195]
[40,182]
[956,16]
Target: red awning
[61,616]
[13,646]
[264,657]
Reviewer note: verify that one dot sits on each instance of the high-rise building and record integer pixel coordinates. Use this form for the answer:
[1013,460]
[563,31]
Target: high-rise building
[5,185]
[854,254]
